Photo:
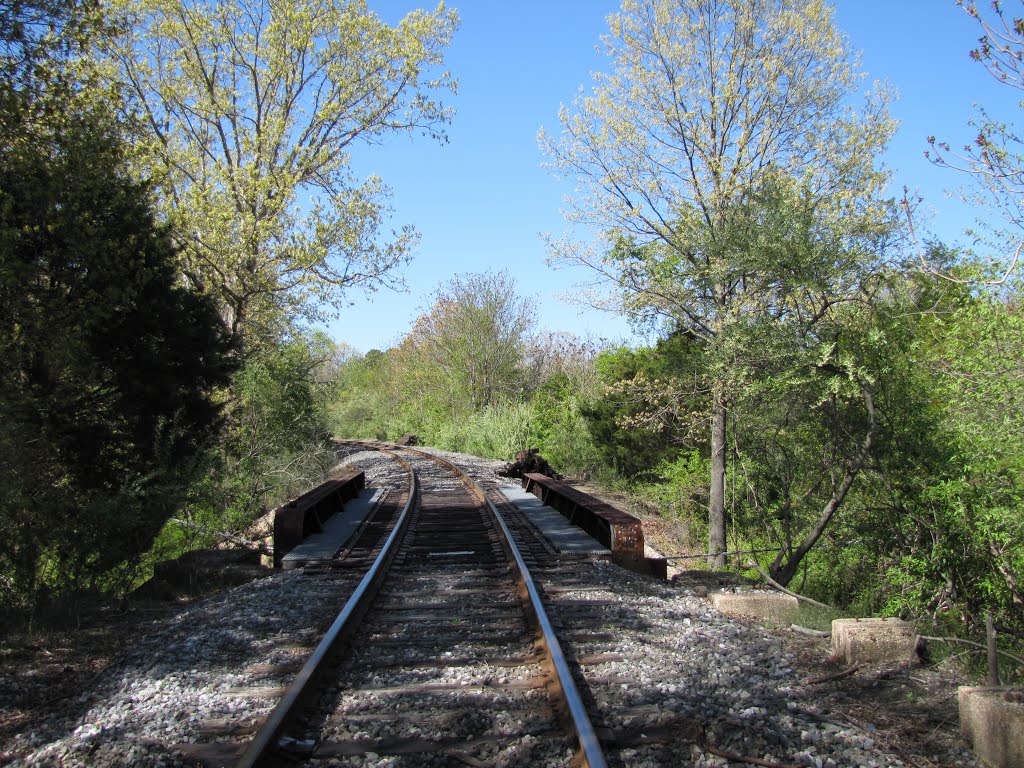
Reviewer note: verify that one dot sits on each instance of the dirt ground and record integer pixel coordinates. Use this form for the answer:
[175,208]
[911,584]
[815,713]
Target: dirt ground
[59,659]
[909,710]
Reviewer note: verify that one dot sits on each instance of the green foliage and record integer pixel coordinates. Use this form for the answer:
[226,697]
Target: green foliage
[678,488]
[38,40]
[469,378]
[669,156]
[276,395]
[277,441]
[963,538]
[646,407]
[496,431]
[110,365]
[467,352]
[719,217]
[362,403]
[246,114]
[558,427]
[933,531]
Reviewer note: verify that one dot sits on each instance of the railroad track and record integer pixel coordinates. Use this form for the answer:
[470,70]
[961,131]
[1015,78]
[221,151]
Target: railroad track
[443,654]
[441,671]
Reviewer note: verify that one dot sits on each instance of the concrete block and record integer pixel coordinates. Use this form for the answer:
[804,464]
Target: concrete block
[992,719]
[774,607]
[860,641]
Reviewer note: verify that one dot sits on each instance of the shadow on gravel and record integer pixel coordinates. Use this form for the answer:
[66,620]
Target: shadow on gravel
[56,681]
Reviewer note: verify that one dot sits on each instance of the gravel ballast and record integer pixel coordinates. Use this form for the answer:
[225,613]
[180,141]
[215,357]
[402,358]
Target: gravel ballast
[733,684]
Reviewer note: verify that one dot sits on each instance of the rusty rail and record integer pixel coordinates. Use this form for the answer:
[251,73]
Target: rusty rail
[260,749]
[563,683]
[590,748]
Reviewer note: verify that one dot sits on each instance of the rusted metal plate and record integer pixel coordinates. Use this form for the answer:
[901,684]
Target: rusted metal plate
[619,531]
[305,515]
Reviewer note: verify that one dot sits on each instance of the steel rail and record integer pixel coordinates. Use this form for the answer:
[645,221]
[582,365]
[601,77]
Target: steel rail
[262,745]
[590,745]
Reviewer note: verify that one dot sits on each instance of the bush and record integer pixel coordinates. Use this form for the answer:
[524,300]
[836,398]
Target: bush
[277,442]
[111,367]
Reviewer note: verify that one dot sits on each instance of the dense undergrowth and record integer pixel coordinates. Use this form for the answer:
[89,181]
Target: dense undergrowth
[928,531]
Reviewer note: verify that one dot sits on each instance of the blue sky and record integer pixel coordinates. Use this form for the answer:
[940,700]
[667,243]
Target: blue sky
[481,201]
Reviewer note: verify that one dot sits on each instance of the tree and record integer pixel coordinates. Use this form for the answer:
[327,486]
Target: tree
[642,417]
[472,341]
[979,379]
[994,160]
[34,33]
[276,443]
[713,110]
[806,422]
[248,111]
[551,353]
[365,399]
[939,514]
[111,366]
[41,73]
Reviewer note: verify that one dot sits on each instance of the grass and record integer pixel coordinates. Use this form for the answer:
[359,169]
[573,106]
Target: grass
[814,617]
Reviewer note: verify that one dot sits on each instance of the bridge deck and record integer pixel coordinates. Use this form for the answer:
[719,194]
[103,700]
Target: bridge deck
[563,535]
[337,530]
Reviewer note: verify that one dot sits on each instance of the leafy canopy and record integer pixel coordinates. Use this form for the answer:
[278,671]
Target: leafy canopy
[248,112]
[710,160]
[706,105]
[110,365]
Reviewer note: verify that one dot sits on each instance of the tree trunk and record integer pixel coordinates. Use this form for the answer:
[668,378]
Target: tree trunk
[788,560]
[716,506]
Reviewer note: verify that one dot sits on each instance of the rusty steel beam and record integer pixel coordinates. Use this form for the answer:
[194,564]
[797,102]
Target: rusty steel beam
[305,515]
[619,531]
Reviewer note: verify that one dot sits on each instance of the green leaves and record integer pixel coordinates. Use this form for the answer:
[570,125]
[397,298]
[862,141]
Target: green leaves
[739,196]
[470,345]
[705,101]
[111,367]
[247,113]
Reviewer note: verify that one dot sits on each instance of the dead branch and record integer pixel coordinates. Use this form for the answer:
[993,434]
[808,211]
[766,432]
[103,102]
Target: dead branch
[931,270]
[781,588]
[971,643]
[835,676]
[226,537]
